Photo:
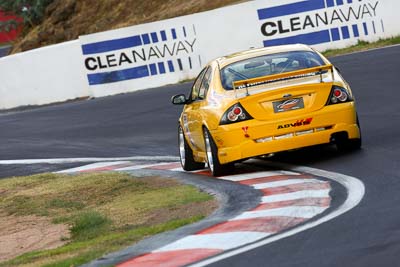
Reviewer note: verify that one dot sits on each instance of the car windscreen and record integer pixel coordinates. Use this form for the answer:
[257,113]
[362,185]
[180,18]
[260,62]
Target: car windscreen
[268,65]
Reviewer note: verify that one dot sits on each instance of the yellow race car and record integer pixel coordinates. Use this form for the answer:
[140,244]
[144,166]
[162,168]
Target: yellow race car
[263,101]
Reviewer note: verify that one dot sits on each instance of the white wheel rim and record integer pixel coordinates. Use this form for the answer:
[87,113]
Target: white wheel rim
[182,147]
[210,161]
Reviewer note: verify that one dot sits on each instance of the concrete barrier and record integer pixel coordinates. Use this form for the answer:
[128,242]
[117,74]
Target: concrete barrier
[165,52]
[42,76]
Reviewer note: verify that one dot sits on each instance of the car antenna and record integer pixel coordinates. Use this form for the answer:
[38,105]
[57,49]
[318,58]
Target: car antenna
[320,76]
[247,89]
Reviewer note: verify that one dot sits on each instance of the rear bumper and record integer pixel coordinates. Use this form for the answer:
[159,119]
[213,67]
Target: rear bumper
[264,137]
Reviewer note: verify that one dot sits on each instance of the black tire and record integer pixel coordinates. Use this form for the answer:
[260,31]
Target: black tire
[186,154]
[343,143]
[216,168]
[349,144]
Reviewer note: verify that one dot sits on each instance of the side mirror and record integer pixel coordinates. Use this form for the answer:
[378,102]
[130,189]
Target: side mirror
[179,99]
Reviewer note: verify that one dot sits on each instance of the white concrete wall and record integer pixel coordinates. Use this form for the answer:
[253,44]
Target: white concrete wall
[42,76]
[323,24]
[165,52]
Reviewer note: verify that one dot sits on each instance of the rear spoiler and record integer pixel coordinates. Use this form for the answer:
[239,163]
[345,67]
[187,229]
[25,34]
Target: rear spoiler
[246,84]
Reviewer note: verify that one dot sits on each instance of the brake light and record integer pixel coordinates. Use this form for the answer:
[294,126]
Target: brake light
[236,113]
[339,95]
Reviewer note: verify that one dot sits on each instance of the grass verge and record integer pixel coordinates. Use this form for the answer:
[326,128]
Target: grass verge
[362,46]
[104,212]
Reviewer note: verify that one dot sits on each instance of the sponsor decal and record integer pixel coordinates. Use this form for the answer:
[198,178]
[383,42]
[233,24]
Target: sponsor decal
[298,123]
[287,105]
[245,130]
[141,55]
[320,21]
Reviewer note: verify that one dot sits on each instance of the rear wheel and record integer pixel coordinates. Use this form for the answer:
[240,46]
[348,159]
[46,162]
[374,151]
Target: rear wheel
[343,143]
[346,145]
[216,168]
[186,154]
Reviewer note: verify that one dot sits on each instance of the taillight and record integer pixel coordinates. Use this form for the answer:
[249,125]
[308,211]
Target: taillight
[339,95]
[236,113]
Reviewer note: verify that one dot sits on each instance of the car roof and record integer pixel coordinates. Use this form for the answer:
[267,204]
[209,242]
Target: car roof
[226,60]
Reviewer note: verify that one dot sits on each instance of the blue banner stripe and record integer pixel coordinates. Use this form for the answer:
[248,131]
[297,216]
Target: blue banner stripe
[180,64]
[307,38]
[339,2]
[173,31]
[119,75]
[154,37]
[171,66]
[349,1]
[163,36]
[355,31]
[290,9]
[184,31]
[161,67]
[335,34]
[111,45]
[146,39]
[330,3]
[153,69]
[345,32]
[365,28]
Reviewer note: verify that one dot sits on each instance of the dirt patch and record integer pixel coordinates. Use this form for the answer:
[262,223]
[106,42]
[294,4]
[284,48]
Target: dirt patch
[111,210]
[186,211]
[67,19]
[22,234]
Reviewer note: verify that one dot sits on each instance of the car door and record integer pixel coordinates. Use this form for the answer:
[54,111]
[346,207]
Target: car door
[193,117]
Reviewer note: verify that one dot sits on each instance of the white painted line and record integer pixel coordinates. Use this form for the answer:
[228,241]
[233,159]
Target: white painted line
[291,211]
[143,166]
[286,183]
[241,177]
[93,166]
[178,170]
[83,160]
[355,190]
[368,50]
[136,167]
[222,241]
[296,195]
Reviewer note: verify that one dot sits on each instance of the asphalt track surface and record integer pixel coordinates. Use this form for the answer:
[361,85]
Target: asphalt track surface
[144,123]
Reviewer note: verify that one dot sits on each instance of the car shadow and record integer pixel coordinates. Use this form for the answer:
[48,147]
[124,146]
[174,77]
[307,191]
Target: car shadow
[313,154]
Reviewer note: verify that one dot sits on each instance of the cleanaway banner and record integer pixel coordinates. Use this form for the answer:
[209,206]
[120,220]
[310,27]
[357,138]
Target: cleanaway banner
[173,50]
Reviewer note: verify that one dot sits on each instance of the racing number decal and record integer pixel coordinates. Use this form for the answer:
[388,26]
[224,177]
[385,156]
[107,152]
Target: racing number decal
[296,124]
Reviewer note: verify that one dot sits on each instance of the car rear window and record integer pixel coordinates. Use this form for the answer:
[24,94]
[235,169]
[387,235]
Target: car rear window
[268,65]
